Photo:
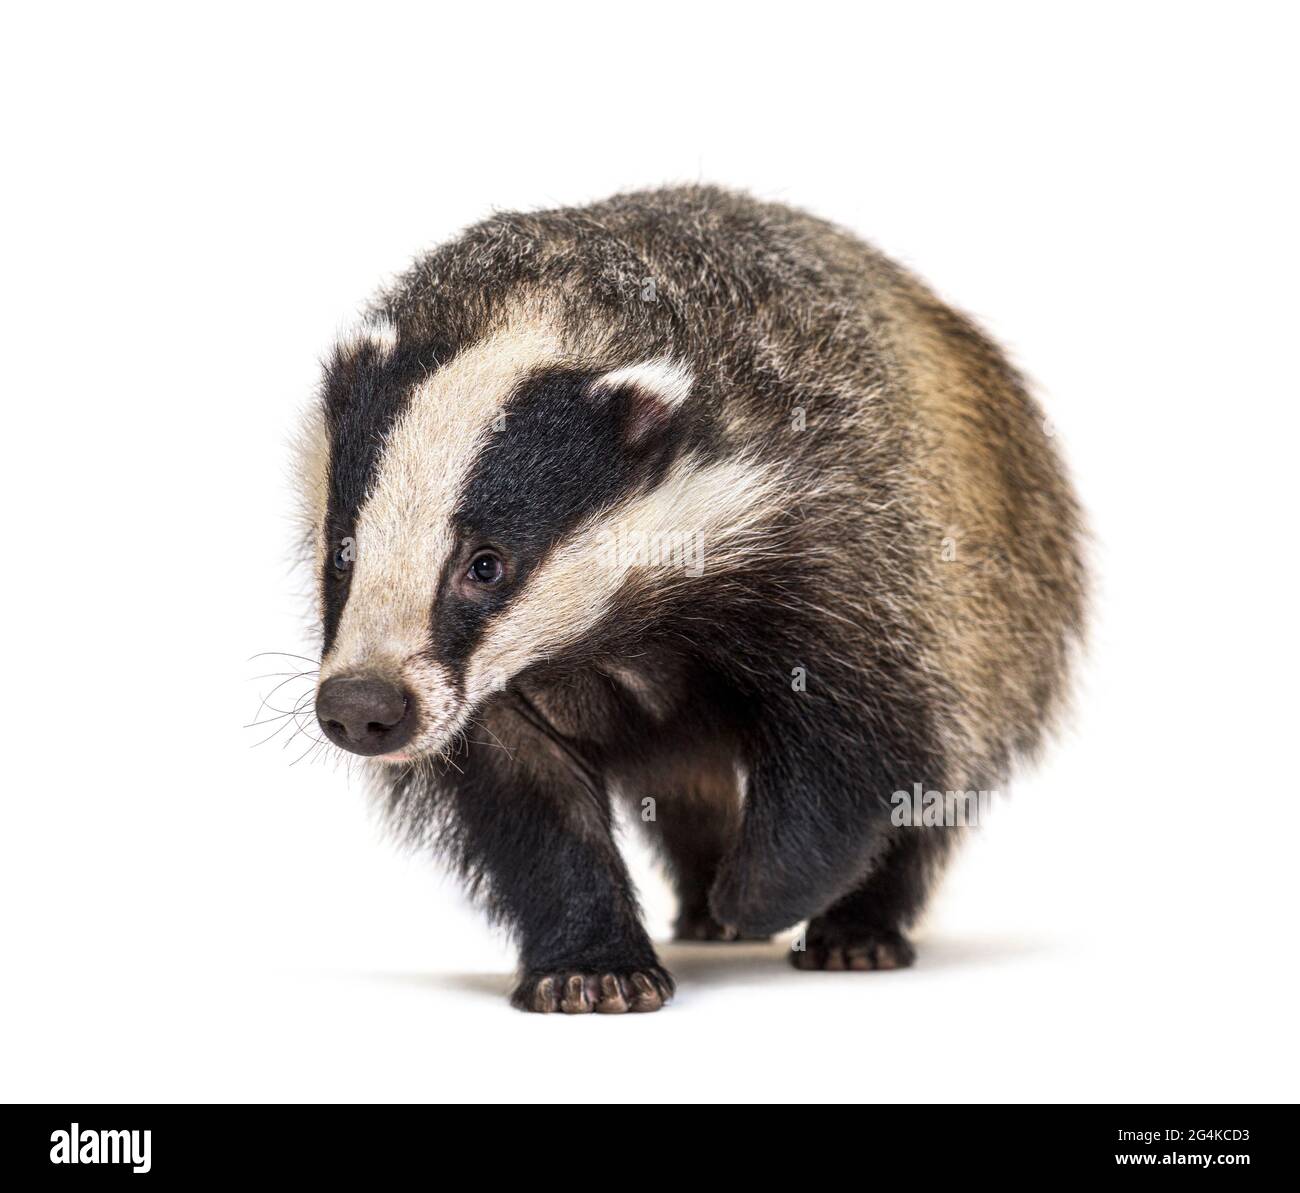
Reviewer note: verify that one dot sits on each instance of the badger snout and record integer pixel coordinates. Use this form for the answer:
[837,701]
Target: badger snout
[365,715]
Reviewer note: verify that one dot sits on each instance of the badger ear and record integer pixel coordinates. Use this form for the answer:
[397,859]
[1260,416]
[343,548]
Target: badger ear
[653,390]
[375,334]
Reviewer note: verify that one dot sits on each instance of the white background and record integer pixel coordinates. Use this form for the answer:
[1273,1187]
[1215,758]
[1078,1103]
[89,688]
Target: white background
[193,204]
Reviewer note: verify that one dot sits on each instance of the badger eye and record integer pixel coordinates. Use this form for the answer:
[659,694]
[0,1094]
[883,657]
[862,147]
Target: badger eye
[486,568]
[344,554]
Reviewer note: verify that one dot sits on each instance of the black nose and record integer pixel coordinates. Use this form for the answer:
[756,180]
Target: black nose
[366,716]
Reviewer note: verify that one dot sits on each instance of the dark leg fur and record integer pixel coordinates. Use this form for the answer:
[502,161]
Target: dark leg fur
[680,783]
[694,834]
[528,814]
[691,835]
[534,832]
[696,795]
[864,930]
[816,817]
[812,828]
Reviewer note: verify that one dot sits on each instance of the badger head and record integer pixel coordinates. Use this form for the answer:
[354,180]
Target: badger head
[479,512]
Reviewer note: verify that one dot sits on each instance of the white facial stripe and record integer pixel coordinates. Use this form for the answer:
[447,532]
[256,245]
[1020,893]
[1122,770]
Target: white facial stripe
[663,377]
[718,505]
[404,532]
[311,472]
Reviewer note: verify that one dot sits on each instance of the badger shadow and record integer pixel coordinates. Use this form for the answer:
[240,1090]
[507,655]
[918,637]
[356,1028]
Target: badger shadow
[752,963]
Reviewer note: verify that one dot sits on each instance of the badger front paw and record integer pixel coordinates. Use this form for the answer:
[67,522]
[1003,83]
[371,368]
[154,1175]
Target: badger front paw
[580,992]
[837,947]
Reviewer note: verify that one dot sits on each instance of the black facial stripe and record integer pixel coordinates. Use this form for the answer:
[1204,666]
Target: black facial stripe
[557,457]
[364,394]
[561,454]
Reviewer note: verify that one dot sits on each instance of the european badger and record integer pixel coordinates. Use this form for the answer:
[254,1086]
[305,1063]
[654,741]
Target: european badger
[703,504]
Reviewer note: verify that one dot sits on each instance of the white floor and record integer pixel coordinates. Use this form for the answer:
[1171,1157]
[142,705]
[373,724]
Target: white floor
[324,965]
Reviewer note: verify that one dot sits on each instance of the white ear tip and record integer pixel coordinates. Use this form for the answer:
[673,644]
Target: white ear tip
[666,379]
[376,332]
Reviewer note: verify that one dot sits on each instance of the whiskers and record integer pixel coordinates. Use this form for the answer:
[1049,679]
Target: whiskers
[299,716]
[286,715]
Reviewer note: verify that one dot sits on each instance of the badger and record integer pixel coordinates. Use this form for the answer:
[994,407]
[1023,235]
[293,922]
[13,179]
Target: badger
[699,505]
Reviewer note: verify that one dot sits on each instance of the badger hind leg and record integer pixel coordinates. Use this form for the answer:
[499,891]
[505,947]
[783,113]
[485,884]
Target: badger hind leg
[693,849]
[692,827]
[866,929]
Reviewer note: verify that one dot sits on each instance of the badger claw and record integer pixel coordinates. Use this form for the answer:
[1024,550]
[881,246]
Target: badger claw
[581,992]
